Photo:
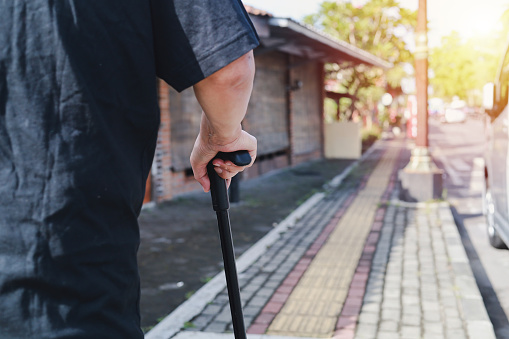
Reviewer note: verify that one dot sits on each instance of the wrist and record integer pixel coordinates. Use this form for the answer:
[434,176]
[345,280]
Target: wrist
[220,136]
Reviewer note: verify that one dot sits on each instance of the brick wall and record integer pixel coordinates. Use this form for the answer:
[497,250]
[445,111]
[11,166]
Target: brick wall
[266,164]
[161,173]
[306,110]
[267,117]
[287,123]
[183,183]
[170,174]
[185,112]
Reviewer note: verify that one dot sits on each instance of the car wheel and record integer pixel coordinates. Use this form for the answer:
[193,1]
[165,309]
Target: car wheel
[493,236]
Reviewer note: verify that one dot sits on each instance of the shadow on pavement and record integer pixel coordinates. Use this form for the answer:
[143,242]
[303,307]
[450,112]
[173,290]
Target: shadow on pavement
[495,311]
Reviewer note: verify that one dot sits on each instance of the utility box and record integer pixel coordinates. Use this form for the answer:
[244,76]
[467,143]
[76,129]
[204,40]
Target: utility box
[417,186]
[421,180]
[343,140]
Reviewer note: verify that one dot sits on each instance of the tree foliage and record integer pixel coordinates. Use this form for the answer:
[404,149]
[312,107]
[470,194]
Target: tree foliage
[461,67]
[378,27]
[453,68]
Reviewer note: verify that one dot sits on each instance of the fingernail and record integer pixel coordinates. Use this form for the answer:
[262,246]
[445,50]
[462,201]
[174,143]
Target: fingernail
[217,165]
[219,171]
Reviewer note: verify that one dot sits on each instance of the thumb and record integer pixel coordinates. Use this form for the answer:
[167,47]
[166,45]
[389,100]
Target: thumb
[203,180]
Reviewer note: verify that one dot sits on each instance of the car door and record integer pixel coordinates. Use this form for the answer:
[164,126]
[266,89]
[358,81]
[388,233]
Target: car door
[499,156]
[499,164]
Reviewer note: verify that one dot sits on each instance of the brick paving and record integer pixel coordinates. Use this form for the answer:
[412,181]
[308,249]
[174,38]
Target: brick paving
[265,285]
[420,285]
[359,265]
[313,307]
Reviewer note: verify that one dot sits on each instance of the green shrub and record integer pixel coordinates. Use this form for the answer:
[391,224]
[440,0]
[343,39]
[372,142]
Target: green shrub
[369,136]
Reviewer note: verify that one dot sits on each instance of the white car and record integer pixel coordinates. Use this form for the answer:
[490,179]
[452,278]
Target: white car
[453,115]
[496,201]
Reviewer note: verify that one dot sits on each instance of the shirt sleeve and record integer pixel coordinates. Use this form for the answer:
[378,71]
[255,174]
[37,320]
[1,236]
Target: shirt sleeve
[195,38]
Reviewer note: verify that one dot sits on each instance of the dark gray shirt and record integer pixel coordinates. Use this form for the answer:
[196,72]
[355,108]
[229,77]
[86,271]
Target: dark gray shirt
[78,128]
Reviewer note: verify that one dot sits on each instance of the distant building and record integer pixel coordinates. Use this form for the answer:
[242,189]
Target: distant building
[285,113]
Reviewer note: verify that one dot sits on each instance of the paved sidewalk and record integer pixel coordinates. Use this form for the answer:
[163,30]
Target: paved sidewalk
[352,262]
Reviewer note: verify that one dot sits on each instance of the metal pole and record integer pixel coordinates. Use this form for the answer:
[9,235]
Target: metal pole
[421,159]
[421,180]
[421,75]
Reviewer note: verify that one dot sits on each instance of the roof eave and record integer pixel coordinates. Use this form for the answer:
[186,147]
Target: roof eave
[355,53]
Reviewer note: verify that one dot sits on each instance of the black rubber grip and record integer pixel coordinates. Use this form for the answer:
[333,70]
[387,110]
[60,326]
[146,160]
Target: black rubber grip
[239,158]
[218,190]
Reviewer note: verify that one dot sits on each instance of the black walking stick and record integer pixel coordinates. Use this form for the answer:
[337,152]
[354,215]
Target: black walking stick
[220,202]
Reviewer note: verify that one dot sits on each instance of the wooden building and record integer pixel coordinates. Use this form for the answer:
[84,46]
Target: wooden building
[285,112]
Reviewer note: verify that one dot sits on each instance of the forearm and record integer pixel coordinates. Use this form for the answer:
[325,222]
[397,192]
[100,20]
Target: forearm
[224,97]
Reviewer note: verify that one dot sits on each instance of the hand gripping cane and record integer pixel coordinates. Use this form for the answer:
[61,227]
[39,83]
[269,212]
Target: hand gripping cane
[221,204]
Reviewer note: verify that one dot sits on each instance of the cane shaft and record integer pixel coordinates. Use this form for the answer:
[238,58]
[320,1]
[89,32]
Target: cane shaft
[230,269]
[221,205]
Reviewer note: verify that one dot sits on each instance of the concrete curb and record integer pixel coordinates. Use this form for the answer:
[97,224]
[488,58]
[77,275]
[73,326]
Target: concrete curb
[205,335]
[174,322]
[474,312]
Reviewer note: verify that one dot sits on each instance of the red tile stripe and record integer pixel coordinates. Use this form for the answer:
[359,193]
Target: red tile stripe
[347,321]
[279,298]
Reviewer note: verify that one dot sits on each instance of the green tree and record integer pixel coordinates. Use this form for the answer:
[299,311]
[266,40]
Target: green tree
[453,68]
[461,67]
[378,27]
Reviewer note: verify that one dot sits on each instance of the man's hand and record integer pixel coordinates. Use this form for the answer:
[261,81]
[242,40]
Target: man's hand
[224,97]
[205,150]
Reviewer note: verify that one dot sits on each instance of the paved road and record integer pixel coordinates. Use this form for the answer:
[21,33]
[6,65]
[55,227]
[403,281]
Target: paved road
[458,149]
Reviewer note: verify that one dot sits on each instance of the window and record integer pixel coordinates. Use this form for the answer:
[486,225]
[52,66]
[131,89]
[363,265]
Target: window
[503,86]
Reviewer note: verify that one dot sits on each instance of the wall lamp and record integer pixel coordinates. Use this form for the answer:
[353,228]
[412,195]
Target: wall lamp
[297,84]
